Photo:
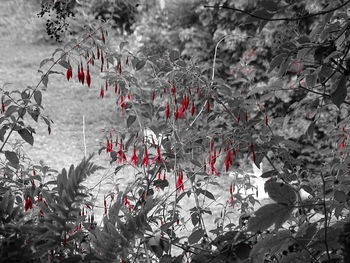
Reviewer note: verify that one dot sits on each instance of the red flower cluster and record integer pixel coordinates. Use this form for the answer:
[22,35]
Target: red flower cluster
[212,158]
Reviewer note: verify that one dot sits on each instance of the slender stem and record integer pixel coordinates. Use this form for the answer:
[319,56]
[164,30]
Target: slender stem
[325,217]
[282,18]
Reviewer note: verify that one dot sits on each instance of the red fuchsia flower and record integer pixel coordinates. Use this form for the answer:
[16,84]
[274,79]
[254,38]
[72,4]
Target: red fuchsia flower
[102,93]
[185,102]
[122,102]
[69,73]
[82,73]
[228,160]
[28,204]
[158,157]
[134,157]
[159,176]
[122,156]
[98,53]
[167,111]
[116,88]
[105,205]
[193,109]
[232,189]
[266,120]
[103,37]
[208,106]
[109,146]
[342,145]
[106,85]
[181,111]
[39,198]
[179,182]
[126,60]
[102,58]
[129,96]
[153,96]
[88,77]
[176,114]
[145,159]
[252,151]
[173,89]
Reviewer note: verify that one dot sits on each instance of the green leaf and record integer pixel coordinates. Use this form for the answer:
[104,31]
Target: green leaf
[270,242]
[276,61]
[44,61]
[123,44]
[269,174]
[38,97]
[196,236]
[311,80]
[174,55]
[161,183]
[12,157]
[340,196]
[64,64]
[140,64]
[269,5]
[27,136]
[280,192]
[268,215]
[340,91]
[131,119]
[10,110]
[207,194]
[45,80]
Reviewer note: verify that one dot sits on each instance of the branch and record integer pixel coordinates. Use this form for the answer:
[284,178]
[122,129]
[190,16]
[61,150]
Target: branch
[282,18]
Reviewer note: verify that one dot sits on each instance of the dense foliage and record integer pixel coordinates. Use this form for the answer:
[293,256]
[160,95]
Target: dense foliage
[209,90]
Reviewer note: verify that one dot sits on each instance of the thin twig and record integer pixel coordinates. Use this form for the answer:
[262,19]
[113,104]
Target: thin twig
[282,18]
[325,218]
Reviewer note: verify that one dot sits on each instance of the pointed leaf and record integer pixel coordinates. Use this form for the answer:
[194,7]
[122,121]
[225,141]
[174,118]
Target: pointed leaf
[268,215]
[130,120]
[12,157]
[340,91]
[27,136]
[196,236]
[280,192]
[38,97]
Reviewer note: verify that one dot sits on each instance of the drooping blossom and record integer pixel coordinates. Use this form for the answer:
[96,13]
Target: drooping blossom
[134,158]
[228,160]
[69,74]
[179,182]
[145,159]
[105,205]
[173,89]
[193,109]
[102,93]
[88,76]
[342,145]
[82,74]
[167,111]
[158,157]
[103,37]
[28,203]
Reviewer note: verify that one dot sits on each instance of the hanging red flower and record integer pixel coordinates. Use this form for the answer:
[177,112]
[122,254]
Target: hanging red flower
[228,160]
[28,204]
[103,37]
[193,109]
[69,74]
[252,151]
[134,157]
[88,77]
[145,159]
[179,182]
[102,93]
[158,157]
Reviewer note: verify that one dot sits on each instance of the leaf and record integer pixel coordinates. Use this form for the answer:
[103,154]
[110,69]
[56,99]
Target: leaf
[207,194]
[340,91]
[45,80]
[38,97]
[280,192]
[27,136]
[269,5]
[65,64]
[10,110]
[269,174]
[161,183]
[196,236]
[12,157]
[174,55]
[44,61]
[271,241]
[340,196]
[268,215]
[311,80]
[130,120]
[140,64]
[276,61]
